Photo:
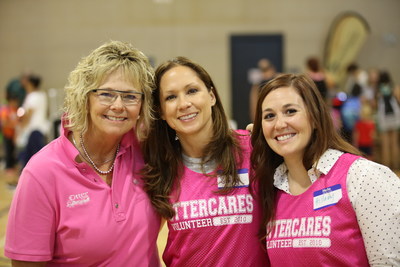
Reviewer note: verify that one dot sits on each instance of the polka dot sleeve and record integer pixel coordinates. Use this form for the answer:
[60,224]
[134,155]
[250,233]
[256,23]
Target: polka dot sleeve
[374,192]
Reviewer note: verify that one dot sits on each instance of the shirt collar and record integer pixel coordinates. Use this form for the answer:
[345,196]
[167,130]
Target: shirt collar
[129,139]
[327,160]
[69,148]
[323,166]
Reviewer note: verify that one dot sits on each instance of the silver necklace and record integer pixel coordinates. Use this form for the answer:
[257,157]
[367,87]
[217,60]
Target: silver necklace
[102,163]
[197,165]
[91,161]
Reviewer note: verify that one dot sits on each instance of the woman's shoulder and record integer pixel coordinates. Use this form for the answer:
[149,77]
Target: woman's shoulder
[244,140]
[242,132]
[367,170]
[243,136]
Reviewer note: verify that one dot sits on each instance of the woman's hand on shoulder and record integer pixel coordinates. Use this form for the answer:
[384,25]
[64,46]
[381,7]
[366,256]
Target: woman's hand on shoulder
[249,127]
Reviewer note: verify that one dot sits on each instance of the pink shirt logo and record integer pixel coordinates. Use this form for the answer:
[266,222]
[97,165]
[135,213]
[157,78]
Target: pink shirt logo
[78,199]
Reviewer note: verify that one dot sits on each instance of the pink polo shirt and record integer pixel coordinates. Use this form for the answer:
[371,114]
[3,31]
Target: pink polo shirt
[64,213]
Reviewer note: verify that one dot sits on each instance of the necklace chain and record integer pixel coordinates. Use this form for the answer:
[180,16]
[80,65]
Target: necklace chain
[92,162]
[102,163]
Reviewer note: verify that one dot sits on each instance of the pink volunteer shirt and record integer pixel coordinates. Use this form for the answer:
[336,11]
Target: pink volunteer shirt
[64,213]
[318,227]
[211,229]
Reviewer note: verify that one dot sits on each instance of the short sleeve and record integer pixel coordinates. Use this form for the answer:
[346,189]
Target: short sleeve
[31,224]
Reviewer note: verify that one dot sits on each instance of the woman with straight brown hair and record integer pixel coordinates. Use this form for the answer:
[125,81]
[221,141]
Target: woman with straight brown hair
[323,204]
[197,173]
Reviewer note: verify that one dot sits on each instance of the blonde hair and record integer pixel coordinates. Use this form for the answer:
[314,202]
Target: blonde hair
[91,72]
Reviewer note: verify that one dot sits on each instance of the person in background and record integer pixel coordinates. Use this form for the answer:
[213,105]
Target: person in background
[336,114]
[9,121]
[197,173]
[317,74]
[350,112]
[15,88]
[355,75]
[388,120]
[33,125]
[364,131]
[321,200]
[268,72]
[370,91]
[80,201]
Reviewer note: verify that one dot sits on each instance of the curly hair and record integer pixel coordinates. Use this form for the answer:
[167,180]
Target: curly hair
[91,72]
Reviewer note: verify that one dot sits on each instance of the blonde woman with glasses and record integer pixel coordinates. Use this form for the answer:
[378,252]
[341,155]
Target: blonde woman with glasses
[79,201]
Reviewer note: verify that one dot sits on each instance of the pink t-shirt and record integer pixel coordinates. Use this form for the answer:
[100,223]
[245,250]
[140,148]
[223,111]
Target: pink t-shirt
[318,227]
[64,213]
[212,229]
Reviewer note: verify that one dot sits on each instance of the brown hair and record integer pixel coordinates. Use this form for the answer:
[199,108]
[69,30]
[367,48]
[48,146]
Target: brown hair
[163,154]
[264,160]
[313,64]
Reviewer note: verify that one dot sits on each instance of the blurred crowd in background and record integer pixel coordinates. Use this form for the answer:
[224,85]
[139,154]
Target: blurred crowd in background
[365,109]
[24,123]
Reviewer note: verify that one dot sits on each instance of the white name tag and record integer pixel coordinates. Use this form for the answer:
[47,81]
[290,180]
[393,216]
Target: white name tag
[327,197]
[243,176]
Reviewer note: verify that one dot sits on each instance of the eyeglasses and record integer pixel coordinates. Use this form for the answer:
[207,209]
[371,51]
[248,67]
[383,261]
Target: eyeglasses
[108,96]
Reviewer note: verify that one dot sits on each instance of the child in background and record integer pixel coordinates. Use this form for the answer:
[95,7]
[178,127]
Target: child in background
[364,131]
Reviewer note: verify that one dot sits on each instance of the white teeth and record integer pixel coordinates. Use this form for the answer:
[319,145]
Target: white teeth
[284,137]
[115,118]
[188,116]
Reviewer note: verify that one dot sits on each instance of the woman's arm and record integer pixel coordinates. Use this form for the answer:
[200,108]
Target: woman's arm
[374,192]
[32,220]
